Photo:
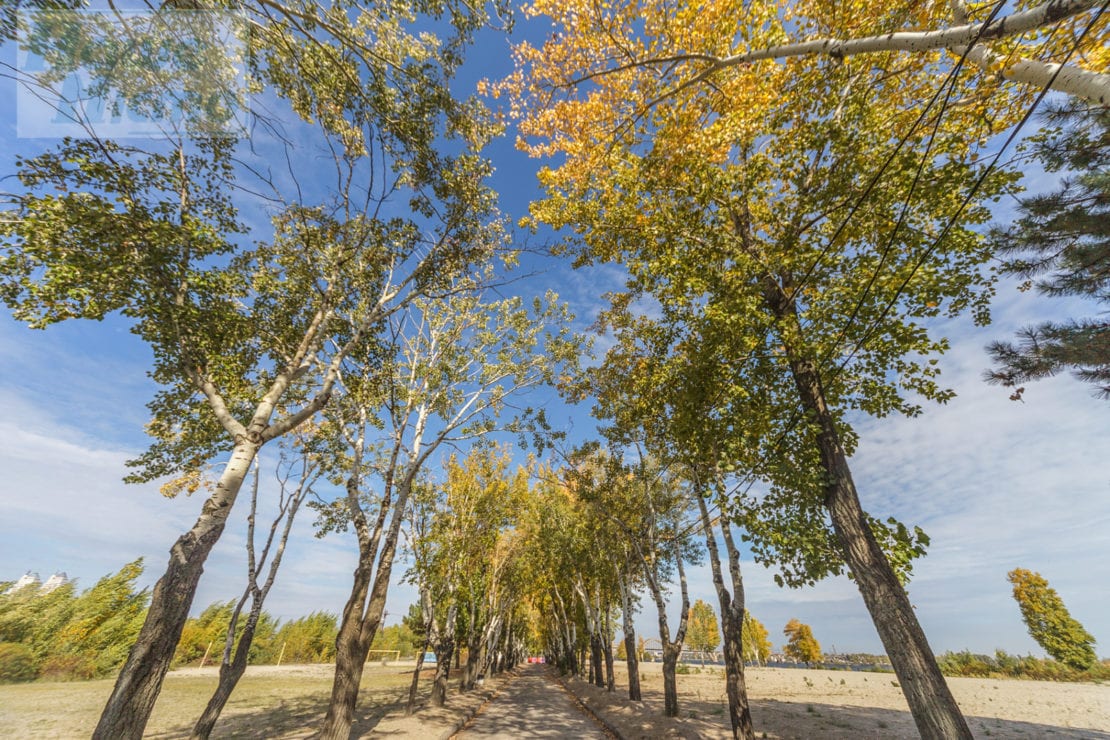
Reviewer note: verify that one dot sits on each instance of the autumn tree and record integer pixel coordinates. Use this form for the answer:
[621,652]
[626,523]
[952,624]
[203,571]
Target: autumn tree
[607,556]
[549,523]
[652,503]
[76,636]
[757,648]
[450,370]
[811,232]
[307,639]
[703,633]
[611,556]
[1049,621]
[801,643]
[249,332]
[435,573]
[1060,245]
[34,619]
[473,530]
[572,577]
[72,635]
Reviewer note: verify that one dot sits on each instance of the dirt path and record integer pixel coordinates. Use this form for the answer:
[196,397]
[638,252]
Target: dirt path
[533,705]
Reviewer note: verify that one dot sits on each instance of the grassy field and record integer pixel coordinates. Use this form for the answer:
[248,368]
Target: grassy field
[286,702]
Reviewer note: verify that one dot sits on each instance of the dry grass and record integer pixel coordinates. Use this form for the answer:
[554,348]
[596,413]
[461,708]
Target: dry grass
[286,702]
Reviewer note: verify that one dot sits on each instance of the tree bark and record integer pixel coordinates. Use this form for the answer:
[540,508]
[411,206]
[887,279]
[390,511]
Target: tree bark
[739,710]
[931,702]
[473,654]
[410,705]
[230,673]
[444,649]
[596,660]
[631,659]
[732,623]
[610,680]
[670,685]
[443,673]
[351,649]
[139,682]
[361,618]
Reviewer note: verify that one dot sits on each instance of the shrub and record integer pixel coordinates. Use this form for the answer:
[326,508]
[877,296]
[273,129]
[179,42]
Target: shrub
[71,667]
[17,663]
[310,639]
[1004,665]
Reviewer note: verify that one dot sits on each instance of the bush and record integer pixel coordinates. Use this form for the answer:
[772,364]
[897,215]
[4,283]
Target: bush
[17,663]
[309,639]
[682,669]
[1004,665]
[70,667]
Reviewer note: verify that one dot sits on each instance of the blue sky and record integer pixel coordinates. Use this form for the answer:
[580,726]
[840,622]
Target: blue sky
[996,484]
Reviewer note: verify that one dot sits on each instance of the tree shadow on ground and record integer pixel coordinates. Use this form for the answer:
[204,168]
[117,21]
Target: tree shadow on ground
[295,717]
[808,720]
[706,716]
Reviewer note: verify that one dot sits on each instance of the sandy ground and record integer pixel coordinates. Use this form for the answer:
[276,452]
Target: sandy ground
[288,702]
[531,707]
[270,702]
[802,703]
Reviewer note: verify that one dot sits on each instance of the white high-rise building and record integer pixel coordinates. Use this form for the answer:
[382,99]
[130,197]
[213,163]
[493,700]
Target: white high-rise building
[28,579]
[54,581]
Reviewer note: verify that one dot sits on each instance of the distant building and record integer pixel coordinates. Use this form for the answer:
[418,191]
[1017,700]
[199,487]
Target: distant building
[31,578]
[28,579]
[55,581]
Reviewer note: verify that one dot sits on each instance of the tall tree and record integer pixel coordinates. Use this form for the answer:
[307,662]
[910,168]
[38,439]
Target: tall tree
[651,504]
[1049,621]
[1060,244]
[757,648]
[447,372]
[472,533]
[669,391]
[590,474]
[800,642]
[554,555]
[703,634]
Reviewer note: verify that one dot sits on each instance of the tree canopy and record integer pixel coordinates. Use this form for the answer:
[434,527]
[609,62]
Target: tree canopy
[800,642]
[1049,621]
